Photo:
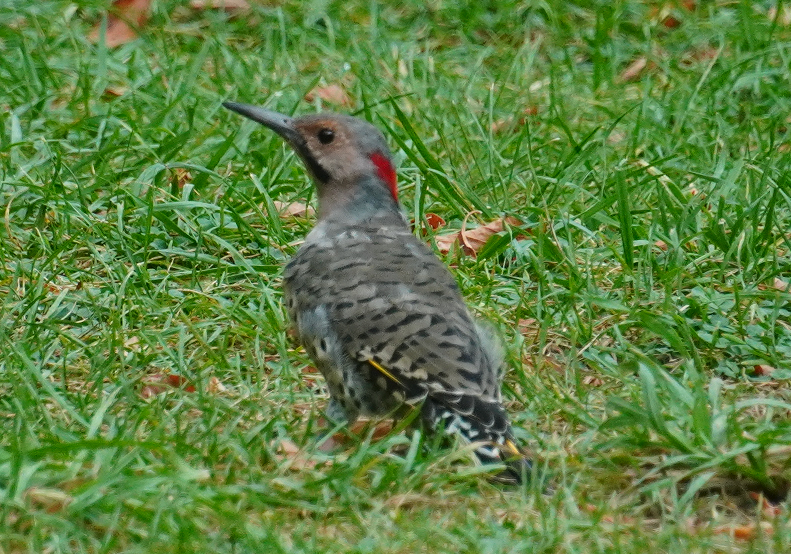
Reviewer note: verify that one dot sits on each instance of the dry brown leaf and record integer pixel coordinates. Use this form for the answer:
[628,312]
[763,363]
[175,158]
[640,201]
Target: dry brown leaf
[671,22]
[554,365]
[434,221]
[768,509]
[381,428]
[745,532]
[114,92]
[215,386]
[528,326]
[332,94]
[182,177]
[507,122]
[785,15]
[500,124]
[227,5]
[362,427]
[633,70]
[132,344]
[288,448]
[592,381]
[607,518]
[764,370]
[703,54]
[125,16]
[665,16]
[162,382]
[445,242]
[616,137]
[473,240]
[411,500]
[297,460]
[293,209]
[779,284]
[51,500]
[309,375]
[662,245]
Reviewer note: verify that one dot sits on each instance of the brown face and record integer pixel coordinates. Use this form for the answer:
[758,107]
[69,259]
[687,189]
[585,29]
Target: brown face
[337,149]
[325,147]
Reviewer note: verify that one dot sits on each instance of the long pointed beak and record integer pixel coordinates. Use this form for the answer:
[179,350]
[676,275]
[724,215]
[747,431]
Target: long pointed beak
[282,124]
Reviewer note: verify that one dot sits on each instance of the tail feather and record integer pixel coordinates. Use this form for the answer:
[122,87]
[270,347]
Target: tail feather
[483,423]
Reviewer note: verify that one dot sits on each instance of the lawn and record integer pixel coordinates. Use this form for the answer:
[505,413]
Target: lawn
[151,398]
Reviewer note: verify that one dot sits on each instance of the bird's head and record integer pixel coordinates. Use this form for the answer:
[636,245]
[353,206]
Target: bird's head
[340,151]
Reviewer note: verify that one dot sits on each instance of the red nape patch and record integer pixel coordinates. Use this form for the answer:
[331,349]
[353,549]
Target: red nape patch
[386,172]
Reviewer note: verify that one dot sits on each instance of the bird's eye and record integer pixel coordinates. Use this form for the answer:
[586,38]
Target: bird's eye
[326,136]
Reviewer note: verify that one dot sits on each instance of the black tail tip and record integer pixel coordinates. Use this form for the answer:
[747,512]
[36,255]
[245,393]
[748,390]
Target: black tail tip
[517,472]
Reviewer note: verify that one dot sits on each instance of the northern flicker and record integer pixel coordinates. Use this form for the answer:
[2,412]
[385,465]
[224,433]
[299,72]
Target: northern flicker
[380,315]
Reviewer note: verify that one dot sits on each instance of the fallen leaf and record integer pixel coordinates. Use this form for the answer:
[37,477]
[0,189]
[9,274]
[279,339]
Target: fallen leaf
[434,221]
[665,16]
[291,454]
[124,18]
[785,15]
[114,92]
[473,240]
[215,386]
[592,381]
[671,22]
[507,122]
[51,500]
[606,518]
[332,94]
[162,382]
[293,209]
[538,85]
[500,124]
[380,428]
[768,509]
[703,54]
[409,500]
[616,137]
[779,284]
[528,326]
[181,177]
[227,5]
[288,448]
[554,365]
[745,532]
[310,375]
[633,70]
[662,245]
[132,344]
[445,242]
[764,370]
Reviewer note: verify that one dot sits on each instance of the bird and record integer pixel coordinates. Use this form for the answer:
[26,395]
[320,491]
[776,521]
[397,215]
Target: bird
[376,310]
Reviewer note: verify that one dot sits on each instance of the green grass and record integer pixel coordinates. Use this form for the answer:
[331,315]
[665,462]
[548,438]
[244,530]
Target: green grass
[641,291]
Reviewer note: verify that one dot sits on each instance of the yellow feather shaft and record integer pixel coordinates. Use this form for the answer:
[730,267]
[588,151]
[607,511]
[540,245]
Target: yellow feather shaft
[384,371]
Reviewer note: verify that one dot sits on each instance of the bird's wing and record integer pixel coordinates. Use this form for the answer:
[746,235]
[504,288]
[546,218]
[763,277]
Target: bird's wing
[391,301]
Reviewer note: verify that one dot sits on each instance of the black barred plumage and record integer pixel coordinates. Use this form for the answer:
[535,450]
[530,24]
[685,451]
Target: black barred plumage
[375,309]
